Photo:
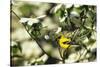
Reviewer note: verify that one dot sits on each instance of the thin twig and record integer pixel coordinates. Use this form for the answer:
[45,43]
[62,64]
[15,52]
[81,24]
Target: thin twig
[60,54]
[33,37]
[66,50]
[15,14]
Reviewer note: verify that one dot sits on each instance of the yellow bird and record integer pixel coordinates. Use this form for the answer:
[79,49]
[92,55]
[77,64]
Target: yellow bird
[64,42]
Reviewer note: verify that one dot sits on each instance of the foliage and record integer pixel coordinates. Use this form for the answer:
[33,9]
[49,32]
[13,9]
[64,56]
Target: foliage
[77,23]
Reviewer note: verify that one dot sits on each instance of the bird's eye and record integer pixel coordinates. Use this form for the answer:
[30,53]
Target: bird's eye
[59,37]
[65,42]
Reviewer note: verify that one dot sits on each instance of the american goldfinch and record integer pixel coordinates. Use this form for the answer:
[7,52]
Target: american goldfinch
[64,42]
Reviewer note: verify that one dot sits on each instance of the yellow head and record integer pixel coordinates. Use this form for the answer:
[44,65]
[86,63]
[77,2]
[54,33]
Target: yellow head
[63,41]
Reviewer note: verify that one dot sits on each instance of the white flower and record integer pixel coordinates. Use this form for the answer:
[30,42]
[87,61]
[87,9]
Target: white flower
[46,37]
[57,8]
[58,30]
[42,16]
[74,13]
[72,58]
[42,58]
[24,20]
[86,40]
[32,21]
[29,20]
